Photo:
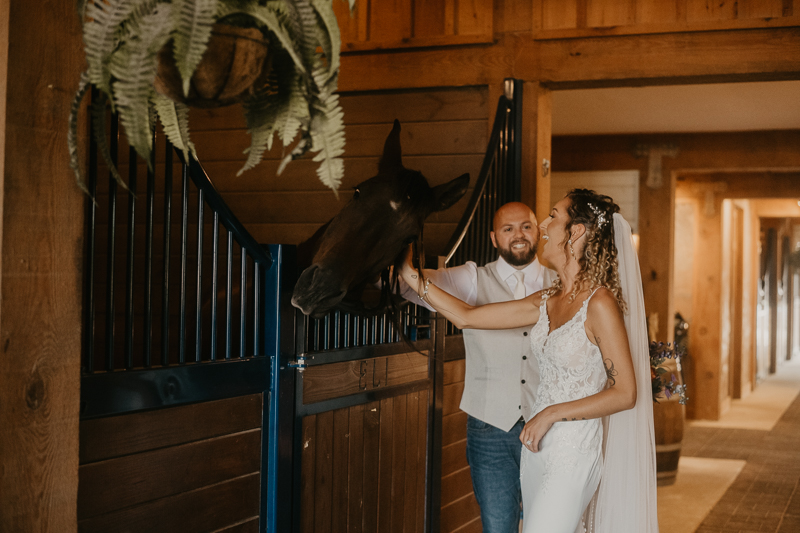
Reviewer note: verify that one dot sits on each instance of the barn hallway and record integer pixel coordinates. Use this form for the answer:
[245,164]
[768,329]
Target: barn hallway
[741,473]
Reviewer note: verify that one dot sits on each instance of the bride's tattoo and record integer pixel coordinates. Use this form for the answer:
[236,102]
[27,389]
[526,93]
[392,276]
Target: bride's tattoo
[574,419]
[413,276]
[610,371]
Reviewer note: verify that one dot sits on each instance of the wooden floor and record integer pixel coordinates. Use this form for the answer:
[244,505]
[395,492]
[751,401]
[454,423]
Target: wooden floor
[765,495]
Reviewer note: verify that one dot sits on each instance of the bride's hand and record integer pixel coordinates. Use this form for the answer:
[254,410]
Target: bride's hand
[535,430]
[409,274]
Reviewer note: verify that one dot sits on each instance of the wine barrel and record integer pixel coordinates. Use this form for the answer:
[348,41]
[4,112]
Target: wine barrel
[668,417]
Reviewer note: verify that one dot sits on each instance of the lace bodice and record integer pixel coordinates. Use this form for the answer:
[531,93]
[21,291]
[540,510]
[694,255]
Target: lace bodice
[570,367]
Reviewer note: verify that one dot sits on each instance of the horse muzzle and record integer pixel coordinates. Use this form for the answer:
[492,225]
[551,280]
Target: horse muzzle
[318,290]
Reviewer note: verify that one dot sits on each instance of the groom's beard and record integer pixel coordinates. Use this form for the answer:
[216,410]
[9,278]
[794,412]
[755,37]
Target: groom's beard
[520,257]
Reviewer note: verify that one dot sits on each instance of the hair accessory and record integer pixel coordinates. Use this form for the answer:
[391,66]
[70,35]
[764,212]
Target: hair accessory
[599,214]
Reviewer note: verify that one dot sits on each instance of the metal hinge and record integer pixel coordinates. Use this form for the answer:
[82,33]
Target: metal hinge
[299,363]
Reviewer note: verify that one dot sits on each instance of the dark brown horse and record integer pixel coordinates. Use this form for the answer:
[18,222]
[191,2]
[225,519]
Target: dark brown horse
[385,215]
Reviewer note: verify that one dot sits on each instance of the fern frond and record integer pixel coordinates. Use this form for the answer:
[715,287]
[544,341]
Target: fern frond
[101,34]
[175,120]
[327,139]
[72,133]
[135,66]
[193,22]
[330,40]
[98,113]
[299,151]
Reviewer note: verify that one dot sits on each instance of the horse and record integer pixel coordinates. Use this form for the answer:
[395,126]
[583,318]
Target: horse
[371,233]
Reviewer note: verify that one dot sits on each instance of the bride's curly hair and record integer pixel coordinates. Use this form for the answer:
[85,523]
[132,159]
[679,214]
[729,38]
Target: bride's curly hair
[598,263]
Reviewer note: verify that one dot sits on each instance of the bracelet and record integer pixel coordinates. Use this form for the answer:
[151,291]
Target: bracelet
[424,294]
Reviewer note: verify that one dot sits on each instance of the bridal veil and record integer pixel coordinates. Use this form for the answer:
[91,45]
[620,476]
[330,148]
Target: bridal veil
[625,501]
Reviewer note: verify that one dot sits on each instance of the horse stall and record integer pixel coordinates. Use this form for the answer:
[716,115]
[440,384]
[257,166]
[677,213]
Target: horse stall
[210,403]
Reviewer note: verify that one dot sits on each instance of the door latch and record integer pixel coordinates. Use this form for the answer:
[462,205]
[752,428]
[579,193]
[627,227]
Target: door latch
[299,363]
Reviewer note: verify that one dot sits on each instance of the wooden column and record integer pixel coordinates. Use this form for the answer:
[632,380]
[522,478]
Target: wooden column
[705,332]
[537,104]
[41,271]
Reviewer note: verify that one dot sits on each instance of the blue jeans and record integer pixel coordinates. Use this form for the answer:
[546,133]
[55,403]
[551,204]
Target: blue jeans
[493,457]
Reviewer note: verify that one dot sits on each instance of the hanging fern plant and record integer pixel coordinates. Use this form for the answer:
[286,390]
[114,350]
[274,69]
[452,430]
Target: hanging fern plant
[153,59]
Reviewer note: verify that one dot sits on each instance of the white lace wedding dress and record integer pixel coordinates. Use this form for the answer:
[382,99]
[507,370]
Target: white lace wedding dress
[559,480]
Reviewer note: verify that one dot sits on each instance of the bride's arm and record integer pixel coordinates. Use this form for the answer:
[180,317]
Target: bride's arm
[505,315]
[605,328]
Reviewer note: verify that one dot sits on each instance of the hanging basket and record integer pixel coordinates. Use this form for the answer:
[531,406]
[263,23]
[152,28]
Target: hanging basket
[234,66]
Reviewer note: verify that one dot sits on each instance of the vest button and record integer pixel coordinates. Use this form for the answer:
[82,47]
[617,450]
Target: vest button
[524,357]
[523,381]
[524,333]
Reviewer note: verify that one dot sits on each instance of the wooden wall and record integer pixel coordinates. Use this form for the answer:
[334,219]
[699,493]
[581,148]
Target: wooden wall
[42,216]
[444,134]
[460,510]
[192,468]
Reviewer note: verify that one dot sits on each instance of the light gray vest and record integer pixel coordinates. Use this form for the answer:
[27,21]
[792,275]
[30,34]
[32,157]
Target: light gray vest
[492,384]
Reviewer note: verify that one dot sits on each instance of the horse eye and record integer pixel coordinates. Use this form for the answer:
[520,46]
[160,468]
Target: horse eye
[356,194]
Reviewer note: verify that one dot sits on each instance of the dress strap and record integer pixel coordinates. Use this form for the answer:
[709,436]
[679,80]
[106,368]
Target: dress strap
[585,306]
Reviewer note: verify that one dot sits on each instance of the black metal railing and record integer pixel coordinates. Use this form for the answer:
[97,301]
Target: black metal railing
[498,183]
[339,330]
[192,284]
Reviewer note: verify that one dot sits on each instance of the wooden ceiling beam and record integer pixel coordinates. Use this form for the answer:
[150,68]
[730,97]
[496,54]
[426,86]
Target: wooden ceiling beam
[619,60]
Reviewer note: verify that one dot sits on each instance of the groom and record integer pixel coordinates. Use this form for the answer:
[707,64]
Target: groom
[493,382]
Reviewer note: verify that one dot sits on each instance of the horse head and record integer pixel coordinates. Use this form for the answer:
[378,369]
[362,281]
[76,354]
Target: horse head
[385,214]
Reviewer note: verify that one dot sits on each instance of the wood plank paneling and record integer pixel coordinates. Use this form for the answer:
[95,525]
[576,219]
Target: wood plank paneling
[355,486]
[106,438]
[307,475]
[323,472]
[372,442]
[325,382]
[456,485]
[385,467]
[381,485]
[454,371]
[210,508]
[454,457]
[600,13]
[414,23]
[459,512]
[557,14]
[398,462]
[451,398]
[113,484]
[454,428]
[341,446]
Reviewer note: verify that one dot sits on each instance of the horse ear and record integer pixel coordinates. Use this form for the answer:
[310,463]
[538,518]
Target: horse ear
[392,155]
[449,193]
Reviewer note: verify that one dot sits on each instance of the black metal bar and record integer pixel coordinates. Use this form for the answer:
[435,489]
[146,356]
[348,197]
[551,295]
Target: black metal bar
[243,305]
[257,326]
[91,234]
[201,180]
[132,159]
[184,244]
[228,296]
[214,276]
[148,259]
[167,236]
[198,330]
[110,249]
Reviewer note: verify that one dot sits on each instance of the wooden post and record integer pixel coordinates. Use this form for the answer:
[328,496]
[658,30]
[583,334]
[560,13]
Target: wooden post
[41,270]
[536,152]
[705,334]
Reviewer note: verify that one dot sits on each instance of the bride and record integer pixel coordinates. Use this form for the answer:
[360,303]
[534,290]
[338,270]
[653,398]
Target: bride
[588,456]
